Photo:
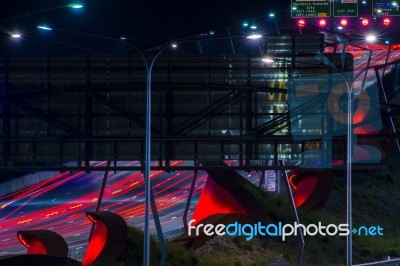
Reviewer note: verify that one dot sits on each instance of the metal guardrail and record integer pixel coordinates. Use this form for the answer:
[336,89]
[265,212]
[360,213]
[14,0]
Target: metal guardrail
[278,263]
[388,262]
[171,235]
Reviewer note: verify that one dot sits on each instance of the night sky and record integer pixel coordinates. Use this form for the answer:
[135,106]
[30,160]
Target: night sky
[145,22]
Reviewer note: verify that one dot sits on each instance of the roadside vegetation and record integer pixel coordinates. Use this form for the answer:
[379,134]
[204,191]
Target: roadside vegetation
[376,201]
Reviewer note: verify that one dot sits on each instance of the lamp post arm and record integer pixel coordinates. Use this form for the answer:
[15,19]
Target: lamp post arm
[33,13]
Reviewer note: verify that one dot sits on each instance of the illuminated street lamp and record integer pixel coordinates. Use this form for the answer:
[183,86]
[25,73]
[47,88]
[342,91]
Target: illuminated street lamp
[370,38]
[75,5]
[16,35]
[254,36]
[44,27]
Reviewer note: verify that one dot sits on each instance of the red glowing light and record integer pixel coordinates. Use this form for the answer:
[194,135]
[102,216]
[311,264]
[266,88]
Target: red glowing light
[36,247]
[344,22]
[322,23]
[96,244]
[292,181]
[301,23]
[33,245]
[215,199]
[386,21]
[304,189]
[365,22]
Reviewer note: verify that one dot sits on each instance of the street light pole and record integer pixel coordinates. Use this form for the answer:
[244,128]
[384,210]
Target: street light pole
[349,149]
[349,177]
[149,198]
[147,170]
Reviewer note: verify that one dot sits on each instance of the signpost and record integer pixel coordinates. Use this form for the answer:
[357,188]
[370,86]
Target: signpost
[311,8]
[385,8]
[345,8]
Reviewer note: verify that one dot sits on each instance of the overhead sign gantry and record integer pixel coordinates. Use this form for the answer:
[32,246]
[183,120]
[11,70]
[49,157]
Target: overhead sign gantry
[322,8]
[345,8]
[311,8]
[385,8]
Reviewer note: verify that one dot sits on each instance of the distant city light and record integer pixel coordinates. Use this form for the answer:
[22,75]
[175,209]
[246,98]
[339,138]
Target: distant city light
[43,27]
[254,36]
[387,42]
[267,60]
[75,5]
[245,24]
[364,2]
[253,27]
[174,45]
[16,35]
[123,38]
[271,15]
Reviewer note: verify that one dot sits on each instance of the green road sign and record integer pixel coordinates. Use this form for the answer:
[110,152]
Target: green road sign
[345,8]
[382,8]
[311,8]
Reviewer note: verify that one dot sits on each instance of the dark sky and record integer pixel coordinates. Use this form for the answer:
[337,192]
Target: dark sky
[144,21]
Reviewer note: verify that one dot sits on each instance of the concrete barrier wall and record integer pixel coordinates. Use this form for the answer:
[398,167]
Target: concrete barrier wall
[16,184]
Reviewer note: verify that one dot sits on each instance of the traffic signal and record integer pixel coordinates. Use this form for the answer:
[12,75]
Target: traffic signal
[344,22]
[365,22]
[386,21]
[301,23]
[322,23]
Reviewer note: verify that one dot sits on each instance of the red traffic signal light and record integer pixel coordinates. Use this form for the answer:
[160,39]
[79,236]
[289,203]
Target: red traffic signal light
[343,22]
[365,22]
[301,23]
[386,21]
[322,23]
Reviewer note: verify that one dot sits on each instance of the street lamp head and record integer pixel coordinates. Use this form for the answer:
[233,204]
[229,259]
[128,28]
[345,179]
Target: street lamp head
[75,5]
[123,38]
[174,45]
[44,27]
[16,35]
[254,36]
[370,38]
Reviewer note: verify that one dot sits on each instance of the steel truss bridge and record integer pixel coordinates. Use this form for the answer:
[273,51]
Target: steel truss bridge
[57,110]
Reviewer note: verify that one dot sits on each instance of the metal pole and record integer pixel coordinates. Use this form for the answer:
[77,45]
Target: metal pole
[189,200]
[295,214]
[101,193]
[349,249]
[147,183]
[349,158]
[160,234]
